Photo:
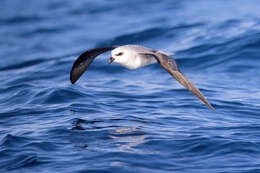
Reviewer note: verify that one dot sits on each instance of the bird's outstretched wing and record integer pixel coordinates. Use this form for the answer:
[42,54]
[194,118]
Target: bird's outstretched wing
[171,67]
[84,60]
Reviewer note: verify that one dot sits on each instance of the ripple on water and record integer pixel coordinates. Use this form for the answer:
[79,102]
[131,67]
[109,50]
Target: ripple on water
[119,120]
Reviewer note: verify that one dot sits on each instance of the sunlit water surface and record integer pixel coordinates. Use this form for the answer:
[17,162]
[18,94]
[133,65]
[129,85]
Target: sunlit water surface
[117,120]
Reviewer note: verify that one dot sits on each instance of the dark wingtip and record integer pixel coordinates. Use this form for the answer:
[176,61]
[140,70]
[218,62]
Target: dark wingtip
[75,72]
[72,79]
[84,61]
[211,107]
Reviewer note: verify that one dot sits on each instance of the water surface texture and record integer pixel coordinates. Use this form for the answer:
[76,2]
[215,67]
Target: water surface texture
[119,120]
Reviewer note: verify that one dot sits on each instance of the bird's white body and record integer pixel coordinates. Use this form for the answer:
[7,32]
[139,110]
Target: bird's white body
[129,56]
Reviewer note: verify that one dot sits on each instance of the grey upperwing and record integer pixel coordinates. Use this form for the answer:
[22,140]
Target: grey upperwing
[171,67]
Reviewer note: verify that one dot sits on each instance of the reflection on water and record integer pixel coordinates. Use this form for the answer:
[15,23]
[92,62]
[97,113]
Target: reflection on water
[126,140]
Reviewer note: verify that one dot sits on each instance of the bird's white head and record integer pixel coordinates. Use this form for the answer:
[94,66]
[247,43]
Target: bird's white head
[120,55]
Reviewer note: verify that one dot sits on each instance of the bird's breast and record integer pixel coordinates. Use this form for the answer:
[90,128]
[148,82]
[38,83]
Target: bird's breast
[136,61]
[144,60]
[139,61]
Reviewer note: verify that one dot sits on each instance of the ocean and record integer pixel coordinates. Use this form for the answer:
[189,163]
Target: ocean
[130,121]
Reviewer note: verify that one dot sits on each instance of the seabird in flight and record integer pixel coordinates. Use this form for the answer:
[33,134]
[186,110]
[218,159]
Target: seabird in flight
[133,57]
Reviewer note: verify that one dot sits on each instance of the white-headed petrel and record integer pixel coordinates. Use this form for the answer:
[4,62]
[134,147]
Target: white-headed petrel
[133,57]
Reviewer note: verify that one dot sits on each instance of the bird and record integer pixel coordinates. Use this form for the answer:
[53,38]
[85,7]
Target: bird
[133,57]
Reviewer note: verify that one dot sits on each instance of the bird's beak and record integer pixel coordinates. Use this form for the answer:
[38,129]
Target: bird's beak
[111,60]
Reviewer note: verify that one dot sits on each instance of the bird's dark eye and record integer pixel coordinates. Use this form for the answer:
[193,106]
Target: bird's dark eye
[119,54]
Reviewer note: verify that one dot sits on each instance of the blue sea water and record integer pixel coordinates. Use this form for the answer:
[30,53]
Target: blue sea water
[119,120]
